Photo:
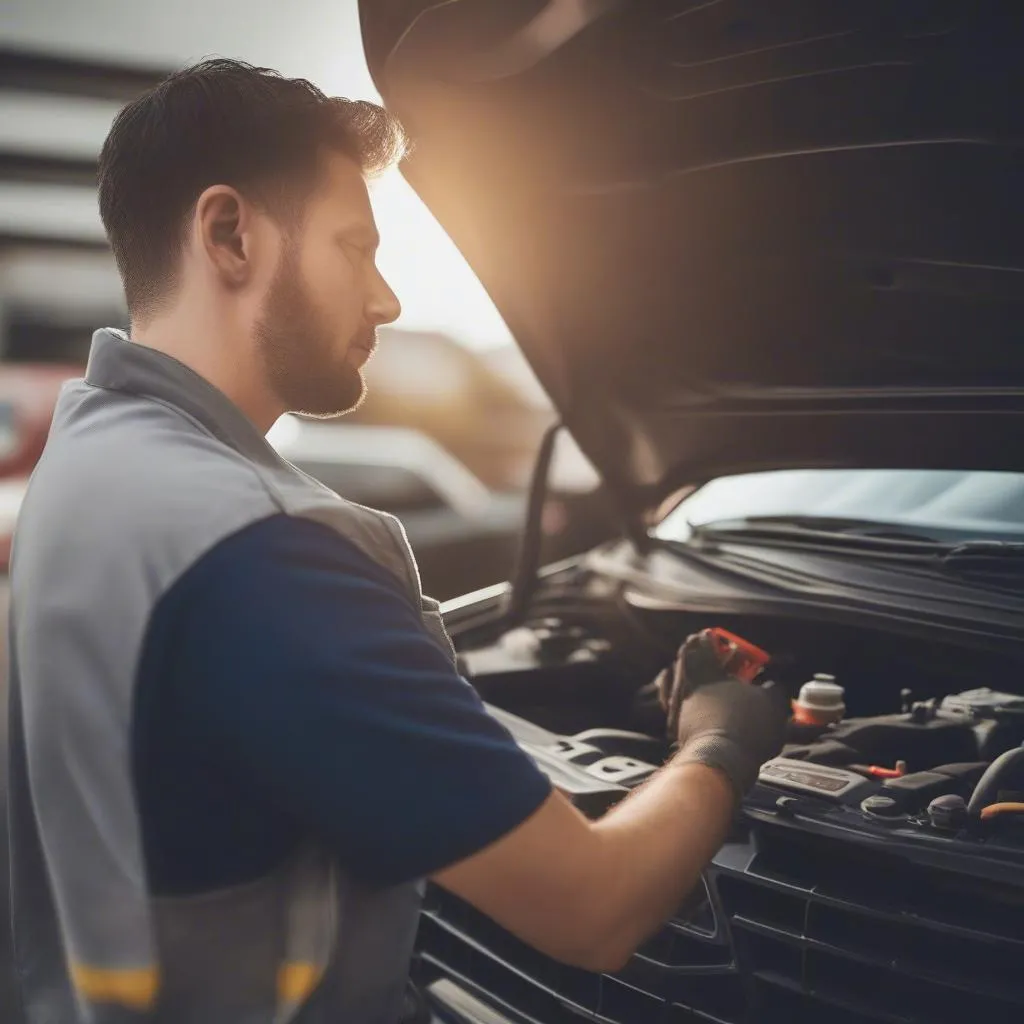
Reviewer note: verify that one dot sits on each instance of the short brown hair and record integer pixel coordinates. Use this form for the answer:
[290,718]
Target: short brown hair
[220,122]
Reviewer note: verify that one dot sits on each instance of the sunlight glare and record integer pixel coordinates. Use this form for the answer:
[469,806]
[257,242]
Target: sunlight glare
[435,285]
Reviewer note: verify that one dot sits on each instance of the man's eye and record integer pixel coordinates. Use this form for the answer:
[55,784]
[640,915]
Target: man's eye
[365,250]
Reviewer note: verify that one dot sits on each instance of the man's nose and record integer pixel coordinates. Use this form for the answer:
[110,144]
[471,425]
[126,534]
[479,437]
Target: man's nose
[383,306]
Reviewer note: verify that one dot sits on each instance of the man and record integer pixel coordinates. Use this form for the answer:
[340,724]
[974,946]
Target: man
[239,741]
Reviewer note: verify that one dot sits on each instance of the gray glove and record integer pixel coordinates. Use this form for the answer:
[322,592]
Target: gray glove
[719,720]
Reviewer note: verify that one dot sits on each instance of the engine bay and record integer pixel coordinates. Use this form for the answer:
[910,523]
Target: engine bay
[927,735]
[874,870]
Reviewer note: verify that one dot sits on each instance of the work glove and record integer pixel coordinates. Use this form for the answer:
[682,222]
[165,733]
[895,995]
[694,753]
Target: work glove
[717,719]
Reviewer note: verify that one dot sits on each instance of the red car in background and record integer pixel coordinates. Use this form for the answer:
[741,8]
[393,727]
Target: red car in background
[28,394]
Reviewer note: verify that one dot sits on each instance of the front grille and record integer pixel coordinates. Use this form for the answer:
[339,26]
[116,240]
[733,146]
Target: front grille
[815,930]
[686,974]
[830,931]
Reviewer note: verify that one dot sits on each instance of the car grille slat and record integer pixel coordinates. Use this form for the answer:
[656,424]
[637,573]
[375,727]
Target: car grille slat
[504,990]
[536,969]
[776,998]
[828,924]
[687,976]
[886,886]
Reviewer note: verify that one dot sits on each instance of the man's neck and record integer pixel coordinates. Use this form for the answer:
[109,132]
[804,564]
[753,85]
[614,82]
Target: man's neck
[228,364]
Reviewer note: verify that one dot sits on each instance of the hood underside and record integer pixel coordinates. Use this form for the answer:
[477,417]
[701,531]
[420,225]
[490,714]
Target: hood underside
[735,235]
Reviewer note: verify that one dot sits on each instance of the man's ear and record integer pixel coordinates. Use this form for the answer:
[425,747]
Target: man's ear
[224,224]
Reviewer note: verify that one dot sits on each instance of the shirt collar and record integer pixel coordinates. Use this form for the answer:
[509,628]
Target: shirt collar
[118,364]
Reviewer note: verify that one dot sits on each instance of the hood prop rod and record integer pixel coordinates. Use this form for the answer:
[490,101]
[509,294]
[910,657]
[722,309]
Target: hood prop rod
[524,577]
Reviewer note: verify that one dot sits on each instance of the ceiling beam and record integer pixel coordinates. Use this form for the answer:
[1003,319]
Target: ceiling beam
[50,243]
[29,71]
[47,170]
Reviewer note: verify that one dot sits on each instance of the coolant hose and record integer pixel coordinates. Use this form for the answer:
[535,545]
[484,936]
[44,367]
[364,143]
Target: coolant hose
[987,790]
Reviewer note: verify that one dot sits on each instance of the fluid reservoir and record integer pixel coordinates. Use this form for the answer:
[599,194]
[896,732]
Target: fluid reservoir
[820,702]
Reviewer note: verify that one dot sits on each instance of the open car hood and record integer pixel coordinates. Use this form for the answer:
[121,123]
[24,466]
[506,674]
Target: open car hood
[733,235]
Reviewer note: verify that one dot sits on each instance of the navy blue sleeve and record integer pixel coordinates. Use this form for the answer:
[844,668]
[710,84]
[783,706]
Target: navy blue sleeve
[309,668]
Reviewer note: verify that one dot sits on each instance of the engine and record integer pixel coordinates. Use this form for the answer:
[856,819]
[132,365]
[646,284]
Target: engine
[581,699]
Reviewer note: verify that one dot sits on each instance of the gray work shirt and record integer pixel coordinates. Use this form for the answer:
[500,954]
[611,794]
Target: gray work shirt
[148,467]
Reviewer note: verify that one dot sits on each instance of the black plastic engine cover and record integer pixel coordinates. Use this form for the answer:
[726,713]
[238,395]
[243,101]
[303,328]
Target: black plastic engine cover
[891,738]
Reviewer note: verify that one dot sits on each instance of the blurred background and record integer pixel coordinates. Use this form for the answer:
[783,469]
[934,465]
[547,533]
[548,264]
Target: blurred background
[447,436]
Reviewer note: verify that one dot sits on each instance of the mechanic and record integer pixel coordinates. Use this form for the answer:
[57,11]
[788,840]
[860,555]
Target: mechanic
[239,740]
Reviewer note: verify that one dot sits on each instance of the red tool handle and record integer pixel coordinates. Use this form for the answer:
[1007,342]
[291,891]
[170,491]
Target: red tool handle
[739,657]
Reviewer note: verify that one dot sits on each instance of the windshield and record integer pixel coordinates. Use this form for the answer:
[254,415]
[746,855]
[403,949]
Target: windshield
[945,505]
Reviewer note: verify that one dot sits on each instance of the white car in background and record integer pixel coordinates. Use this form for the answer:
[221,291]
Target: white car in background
[464,534]
[402,469]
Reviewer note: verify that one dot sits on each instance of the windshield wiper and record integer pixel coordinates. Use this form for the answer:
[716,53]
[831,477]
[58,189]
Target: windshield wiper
[996,563]
[857,533]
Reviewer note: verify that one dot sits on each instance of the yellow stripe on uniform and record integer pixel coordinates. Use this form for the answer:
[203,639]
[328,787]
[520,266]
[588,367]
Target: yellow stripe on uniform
[135,988]
[296,980]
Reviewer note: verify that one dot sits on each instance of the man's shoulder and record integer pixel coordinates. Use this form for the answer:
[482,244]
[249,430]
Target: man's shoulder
[126,474]
[129,477]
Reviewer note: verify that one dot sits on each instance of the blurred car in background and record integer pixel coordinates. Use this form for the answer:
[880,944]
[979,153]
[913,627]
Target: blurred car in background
[464,534]
[28,393]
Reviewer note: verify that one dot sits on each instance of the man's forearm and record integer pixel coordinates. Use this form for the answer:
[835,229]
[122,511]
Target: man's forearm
[653,847]
[587,892]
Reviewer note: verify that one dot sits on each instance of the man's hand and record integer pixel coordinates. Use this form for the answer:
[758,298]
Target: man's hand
[589,893]
[717,719]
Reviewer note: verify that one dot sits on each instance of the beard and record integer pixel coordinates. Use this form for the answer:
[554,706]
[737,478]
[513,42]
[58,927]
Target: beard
[299,351]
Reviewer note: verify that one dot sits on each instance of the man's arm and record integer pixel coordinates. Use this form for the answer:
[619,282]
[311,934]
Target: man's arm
[589,893]
[309,672]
